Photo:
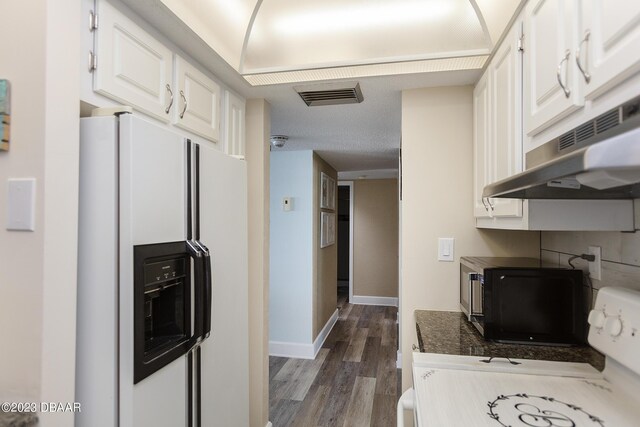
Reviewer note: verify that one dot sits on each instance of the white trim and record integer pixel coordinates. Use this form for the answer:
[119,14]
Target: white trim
[399,359]
[351,204]
[368,300]
[324,333]
[303,351]
[290,349]
[268,424]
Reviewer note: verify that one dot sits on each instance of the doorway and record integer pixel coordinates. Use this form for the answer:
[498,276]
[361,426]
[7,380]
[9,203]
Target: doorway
[345,213]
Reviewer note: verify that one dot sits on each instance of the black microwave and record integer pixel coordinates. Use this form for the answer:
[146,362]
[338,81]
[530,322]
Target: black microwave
[516,300]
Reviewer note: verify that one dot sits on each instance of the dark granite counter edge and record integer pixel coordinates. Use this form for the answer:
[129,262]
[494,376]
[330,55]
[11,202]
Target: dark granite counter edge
[451,333]
[18,419]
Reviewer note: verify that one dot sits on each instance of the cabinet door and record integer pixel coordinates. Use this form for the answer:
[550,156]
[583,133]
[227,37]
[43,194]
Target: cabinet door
[505,76]
[234,129]
[613,47]
[132,67]
[198,101]
[481,149]
[549,55]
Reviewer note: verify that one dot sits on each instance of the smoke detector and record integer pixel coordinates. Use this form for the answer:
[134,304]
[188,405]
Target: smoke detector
[278,141]
[330,93]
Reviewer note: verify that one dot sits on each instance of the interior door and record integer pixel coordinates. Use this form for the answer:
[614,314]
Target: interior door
[223,229]
[152,210]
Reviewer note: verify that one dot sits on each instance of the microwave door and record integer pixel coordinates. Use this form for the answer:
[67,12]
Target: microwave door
[465,290]
[476,296]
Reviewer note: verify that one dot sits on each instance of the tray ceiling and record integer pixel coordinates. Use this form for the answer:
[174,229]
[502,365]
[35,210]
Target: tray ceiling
[271,37]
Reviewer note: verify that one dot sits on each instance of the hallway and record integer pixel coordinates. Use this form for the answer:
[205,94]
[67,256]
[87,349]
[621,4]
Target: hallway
[352,382]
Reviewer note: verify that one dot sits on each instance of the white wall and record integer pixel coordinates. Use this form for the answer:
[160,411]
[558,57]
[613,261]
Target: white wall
[437,201]
[38,269]
[291,236]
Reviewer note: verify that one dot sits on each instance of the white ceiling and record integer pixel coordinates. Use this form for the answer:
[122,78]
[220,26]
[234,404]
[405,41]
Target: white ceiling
[352,137]
[404,44]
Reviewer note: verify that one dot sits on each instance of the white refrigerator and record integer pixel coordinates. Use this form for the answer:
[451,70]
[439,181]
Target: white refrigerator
[162,335]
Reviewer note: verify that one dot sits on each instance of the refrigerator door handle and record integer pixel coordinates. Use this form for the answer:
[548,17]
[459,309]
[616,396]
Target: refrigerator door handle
[207,292]
[196,253]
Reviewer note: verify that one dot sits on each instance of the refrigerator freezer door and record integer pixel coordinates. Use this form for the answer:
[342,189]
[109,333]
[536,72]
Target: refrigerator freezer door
[223,225]
[153,209]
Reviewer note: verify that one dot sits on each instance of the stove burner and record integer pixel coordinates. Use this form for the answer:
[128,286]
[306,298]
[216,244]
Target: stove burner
[539,411]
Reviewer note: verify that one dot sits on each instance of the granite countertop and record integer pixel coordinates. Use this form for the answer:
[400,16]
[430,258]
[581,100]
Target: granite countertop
[451,333]
[18,419]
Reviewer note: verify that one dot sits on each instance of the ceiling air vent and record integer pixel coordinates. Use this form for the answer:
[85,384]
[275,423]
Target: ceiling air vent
[330,93]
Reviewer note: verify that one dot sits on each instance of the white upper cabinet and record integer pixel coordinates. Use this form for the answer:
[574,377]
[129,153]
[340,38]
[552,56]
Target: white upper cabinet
[481,152]
[235,121]
[609,49]
[497,125]
[505,72]
[552,89]
[197,101]
[132,67]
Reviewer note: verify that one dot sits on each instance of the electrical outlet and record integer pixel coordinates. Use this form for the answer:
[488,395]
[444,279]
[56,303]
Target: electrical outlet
[595,267]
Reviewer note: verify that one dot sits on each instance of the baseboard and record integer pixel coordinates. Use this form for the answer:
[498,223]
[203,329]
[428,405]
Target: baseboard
[399,359]
[324,333]
[303,351]
[291,349]
[359,299]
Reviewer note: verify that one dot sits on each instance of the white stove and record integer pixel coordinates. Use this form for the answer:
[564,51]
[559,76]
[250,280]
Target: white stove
[476,391]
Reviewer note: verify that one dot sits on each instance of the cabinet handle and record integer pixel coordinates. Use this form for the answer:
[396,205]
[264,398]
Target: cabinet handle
[185,104]
[584,71]
[567,55]
[170,99]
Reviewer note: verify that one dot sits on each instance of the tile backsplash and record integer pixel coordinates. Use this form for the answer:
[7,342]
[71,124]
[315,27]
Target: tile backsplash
[620,253]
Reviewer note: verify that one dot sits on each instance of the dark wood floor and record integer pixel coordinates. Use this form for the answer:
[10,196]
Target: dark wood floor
[352,382]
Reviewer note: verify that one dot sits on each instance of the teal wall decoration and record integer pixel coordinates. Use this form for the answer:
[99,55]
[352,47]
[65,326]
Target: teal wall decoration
[5,114]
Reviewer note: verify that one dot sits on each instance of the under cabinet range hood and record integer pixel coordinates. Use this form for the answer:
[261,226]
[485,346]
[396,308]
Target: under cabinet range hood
[599,159]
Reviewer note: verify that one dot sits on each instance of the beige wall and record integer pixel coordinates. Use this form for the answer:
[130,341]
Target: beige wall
[325,260]
[38,269]
[375,238]
[257,156]
[437,202]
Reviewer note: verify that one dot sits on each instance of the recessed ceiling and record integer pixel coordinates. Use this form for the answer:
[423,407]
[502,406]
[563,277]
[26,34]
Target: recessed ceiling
[274,36]
[386,45]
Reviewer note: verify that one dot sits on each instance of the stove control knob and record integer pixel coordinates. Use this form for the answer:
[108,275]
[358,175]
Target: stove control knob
[613,326]
[597,318]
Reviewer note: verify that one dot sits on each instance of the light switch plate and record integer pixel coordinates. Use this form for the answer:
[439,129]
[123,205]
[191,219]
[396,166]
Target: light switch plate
[286,203]
[21,200]
[445,249]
